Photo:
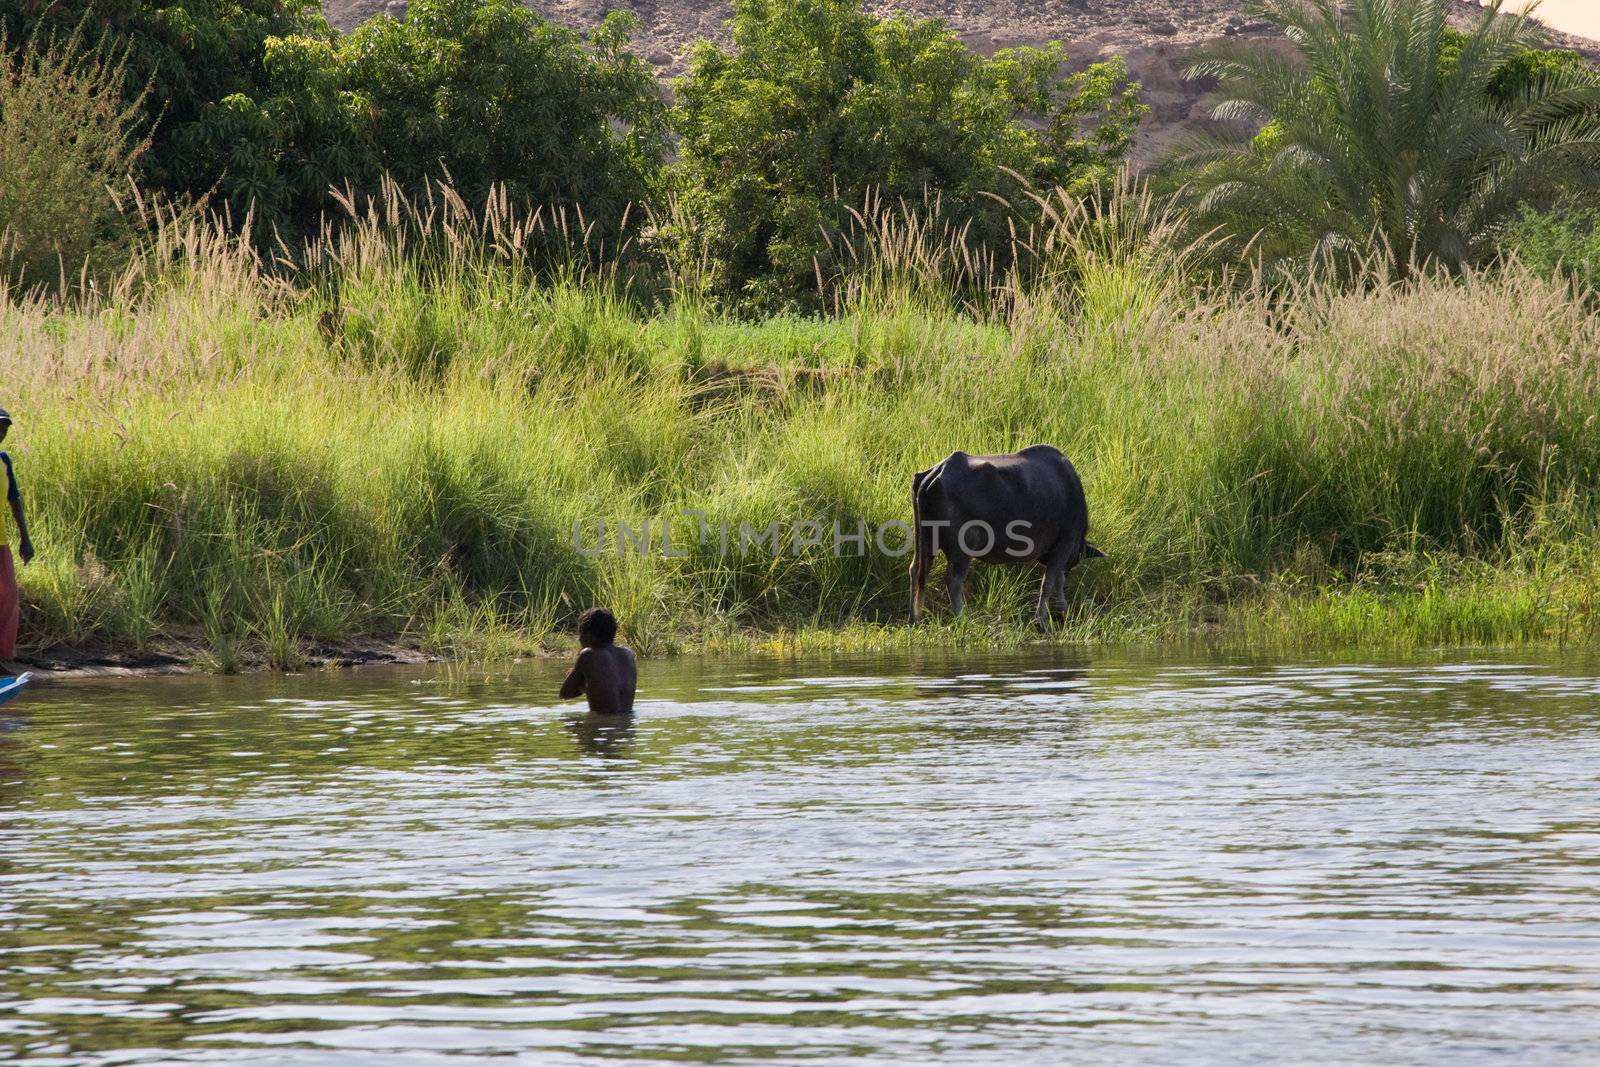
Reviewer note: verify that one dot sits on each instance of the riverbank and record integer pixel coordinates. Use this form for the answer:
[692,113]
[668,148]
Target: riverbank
[1493,608]
[438,455]
[191,655]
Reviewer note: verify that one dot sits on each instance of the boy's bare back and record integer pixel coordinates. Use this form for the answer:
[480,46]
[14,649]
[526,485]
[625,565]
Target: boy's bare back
[605,673]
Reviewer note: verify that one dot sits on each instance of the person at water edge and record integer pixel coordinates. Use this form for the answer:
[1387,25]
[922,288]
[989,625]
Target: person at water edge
[605,672]
[10,597]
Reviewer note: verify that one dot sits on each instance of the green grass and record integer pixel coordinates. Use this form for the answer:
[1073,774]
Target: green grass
[214,457]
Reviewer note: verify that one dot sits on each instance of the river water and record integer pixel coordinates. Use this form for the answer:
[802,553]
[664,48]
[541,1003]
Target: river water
[968,860]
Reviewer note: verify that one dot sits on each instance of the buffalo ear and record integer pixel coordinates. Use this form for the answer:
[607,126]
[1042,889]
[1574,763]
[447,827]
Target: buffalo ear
[1091,552]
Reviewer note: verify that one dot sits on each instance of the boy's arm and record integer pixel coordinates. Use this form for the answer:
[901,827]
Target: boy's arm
[14,498]
[573,686]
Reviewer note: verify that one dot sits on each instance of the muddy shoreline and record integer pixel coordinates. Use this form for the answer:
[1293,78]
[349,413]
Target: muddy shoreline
[183,657]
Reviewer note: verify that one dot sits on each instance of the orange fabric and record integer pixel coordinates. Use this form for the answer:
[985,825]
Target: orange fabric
[10,606]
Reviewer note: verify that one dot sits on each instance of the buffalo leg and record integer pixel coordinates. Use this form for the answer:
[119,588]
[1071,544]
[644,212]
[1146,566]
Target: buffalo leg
[1056,566]
[916,594]
[1054,581]
[955,579]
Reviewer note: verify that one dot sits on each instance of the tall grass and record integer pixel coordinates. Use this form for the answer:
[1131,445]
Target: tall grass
[400,445]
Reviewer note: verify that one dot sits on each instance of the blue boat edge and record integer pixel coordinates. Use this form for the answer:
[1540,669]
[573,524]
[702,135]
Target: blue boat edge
[10,687]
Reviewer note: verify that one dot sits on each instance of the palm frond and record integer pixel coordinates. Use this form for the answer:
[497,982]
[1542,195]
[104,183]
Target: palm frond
[1385,134]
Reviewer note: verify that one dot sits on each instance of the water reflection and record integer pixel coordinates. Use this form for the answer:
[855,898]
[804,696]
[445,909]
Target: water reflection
[604,736]
[1008,859]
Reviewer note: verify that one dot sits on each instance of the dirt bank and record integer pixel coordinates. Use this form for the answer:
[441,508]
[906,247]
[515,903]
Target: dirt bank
[183,656]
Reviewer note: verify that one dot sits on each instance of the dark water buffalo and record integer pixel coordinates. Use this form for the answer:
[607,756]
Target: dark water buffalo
[1021,507]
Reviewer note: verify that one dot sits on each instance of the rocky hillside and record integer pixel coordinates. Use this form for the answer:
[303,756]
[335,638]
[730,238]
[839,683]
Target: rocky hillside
[1152,34]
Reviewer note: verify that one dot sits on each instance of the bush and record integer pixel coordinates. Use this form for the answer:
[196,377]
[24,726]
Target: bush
[66,138]
[204,68]
[821,105]
[261,106]
[1564,240]
[1523,71]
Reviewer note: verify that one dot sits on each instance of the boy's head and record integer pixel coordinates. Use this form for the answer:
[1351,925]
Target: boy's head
[596,627]
[5,424]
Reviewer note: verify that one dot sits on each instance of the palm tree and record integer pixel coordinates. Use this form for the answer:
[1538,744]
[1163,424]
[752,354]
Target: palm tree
[1381,135]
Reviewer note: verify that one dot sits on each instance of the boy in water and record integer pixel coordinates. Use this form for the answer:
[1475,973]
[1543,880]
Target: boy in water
[605,672]
[10,599]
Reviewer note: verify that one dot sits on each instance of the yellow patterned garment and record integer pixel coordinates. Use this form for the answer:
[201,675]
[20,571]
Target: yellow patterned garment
[5,504]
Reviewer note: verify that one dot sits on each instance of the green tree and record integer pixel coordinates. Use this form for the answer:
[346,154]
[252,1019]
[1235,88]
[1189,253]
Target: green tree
[261,107]
[488,92]
[820,104]
[1388,131]
[279,148]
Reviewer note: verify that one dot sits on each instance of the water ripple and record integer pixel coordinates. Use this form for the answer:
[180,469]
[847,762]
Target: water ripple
[1018,860]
